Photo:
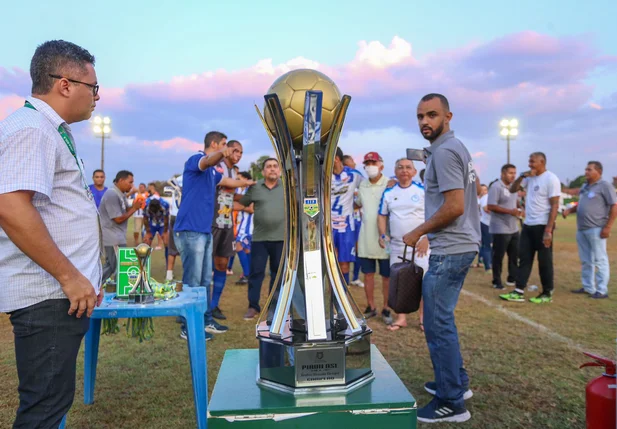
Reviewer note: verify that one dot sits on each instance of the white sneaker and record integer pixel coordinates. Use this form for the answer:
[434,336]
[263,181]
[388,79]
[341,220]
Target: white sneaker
[510,283]
[358,283]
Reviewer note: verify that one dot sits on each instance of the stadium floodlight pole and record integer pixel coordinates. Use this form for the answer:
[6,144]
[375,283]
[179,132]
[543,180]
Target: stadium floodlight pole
[102,127]
[509,131]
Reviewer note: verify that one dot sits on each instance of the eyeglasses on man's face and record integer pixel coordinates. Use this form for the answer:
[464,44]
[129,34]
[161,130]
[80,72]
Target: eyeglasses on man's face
[95,88]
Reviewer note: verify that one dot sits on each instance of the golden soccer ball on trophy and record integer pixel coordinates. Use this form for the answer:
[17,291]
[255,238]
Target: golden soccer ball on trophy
[291,89]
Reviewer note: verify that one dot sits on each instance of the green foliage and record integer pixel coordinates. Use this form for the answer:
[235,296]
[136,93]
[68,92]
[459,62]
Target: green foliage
[578,182]
[255,168]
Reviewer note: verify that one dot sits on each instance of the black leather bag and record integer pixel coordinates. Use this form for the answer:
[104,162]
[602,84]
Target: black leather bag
[405,285]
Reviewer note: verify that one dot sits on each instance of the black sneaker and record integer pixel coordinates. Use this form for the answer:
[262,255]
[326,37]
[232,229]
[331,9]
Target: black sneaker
[218,314]
[242,281]
[438,411]
[370,312]
[216,328]
[185,336]
[599,295]
[431,387]
[499,286]
[387,318]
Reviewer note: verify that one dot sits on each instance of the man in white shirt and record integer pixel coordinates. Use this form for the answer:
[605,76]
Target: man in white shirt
[485,221]
[50,244]
[370,254]
[138,217]
[543,189]
[401,210]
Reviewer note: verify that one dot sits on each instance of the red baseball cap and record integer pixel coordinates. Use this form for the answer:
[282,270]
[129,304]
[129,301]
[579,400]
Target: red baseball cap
[372,156]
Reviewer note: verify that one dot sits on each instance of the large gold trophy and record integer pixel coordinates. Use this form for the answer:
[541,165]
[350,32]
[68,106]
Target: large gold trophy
[312,335]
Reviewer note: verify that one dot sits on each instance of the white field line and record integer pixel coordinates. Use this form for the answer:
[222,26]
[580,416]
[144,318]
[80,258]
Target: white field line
[511,314]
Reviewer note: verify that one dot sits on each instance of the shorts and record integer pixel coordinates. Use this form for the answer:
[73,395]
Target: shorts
[368,266]
[345,244]
[223,242]
[171,244]
[154,229]
[245,241]
[397,249]
[138,224]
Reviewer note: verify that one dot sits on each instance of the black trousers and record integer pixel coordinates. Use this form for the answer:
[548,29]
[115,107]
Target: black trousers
[47,341]
[530,244]
[505,244]
[261,251]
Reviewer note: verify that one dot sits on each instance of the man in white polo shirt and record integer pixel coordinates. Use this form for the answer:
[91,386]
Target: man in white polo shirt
[50,244]
[543,191]
[401,210]
[370,254]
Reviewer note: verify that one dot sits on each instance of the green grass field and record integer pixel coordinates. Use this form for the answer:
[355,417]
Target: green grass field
[523,376]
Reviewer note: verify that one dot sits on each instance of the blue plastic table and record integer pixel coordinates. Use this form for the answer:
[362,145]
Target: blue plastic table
[190,304]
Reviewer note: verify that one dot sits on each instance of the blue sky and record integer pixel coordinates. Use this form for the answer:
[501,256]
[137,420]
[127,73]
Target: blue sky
[139,44]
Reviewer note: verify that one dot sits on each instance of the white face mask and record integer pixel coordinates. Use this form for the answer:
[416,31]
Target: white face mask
[372,171]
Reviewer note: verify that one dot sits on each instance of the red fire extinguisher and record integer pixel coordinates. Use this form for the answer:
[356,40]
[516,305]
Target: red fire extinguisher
[601,395]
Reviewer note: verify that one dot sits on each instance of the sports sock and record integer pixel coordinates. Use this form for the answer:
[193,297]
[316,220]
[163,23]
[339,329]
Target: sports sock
[245,262]
[219,283]
[346,276]
[356,271]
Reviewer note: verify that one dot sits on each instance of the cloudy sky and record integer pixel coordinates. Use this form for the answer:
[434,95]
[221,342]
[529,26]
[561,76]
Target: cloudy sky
[171,71]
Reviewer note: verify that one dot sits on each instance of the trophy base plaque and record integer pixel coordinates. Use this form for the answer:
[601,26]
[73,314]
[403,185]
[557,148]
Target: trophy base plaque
[238,402]
[340,364]
[141,298]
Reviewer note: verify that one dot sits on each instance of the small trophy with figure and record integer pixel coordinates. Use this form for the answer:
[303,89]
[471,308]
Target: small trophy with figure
[142,293]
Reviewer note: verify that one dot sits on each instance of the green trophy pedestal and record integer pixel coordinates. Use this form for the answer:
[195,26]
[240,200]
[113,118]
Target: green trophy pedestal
[238,402]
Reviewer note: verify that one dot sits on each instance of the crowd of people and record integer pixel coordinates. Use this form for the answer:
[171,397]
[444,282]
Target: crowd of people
[55,230]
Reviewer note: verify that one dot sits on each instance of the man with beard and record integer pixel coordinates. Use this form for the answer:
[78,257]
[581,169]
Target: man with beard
[504,226]
[223,225]
[543,190]
[453,227]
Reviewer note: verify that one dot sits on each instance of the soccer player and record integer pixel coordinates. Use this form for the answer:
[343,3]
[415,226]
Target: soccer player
[348,161]
[244,236]
[345,182]
[138,217]
[223,225]
[156,219]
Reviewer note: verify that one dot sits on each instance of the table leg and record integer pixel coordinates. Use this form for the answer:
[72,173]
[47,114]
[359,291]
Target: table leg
[93,337]
[197,355]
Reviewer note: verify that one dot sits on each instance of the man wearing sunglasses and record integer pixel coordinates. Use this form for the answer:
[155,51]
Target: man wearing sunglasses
[49,232]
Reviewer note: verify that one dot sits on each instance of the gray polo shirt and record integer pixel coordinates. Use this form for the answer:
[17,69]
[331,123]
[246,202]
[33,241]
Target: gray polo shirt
[113,205]
[449,166]
[502,223]
[269,216]
[594,205]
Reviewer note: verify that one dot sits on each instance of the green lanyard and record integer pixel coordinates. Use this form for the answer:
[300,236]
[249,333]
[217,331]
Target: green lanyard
[71,148]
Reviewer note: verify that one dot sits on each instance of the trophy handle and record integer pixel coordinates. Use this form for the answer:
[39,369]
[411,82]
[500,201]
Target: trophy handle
[339,287]
[286,276]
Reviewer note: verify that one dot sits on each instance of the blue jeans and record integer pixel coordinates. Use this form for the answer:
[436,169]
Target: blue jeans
[196,253]
[592,251]
[486,251]
[441,287]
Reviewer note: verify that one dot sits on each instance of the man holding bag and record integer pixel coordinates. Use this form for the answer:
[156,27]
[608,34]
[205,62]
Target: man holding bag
[453,228]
